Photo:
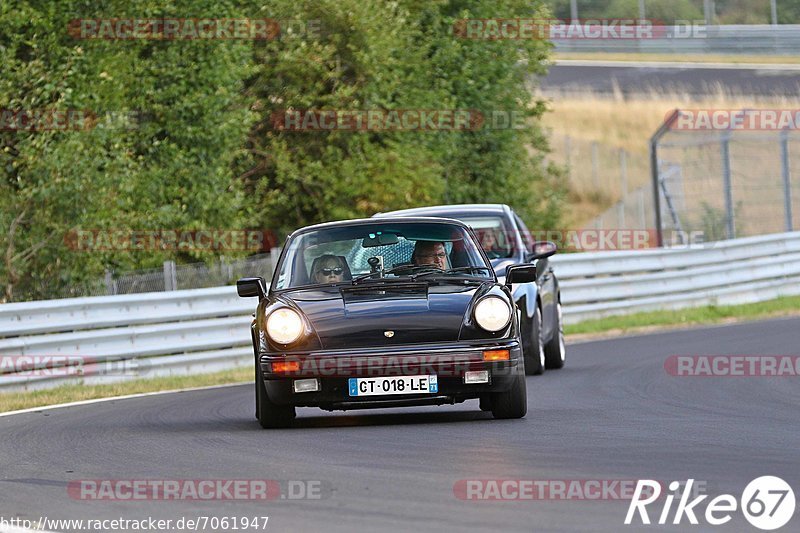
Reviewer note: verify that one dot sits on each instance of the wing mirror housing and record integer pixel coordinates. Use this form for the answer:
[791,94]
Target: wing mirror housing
[520,274]
[542,249]
[248,287]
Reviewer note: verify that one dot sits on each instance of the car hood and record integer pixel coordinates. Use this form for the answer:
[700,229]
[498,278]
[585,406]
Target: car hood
[385,315]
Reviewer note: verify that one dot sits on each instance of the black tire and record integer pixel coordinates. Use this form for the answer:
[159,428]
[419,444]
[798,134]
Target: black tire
[255,364]
[512,403]
[532,349]
[486,402]
[271,415]
[555,351]
[258,384]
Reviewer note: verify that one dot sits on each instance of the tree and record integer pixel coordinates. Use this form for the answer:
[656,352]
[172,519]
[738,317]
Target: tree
[203,154]
[406,56]
[789,11]
[663,11]
[561,9]
[171,168]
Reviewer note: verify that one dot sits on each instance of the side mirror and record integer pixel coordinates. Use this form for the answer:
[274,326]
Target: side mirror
[520,274]
[542,249]
[247,287]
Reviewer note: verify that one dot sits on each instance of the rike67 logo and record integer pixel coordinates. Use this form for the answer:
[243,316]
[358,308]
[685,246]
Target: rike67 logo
[768,503]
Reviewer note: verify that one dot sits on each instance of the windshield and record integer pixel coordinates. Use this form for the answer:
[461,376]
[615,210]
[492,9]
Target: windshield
[390,250]
[495,239]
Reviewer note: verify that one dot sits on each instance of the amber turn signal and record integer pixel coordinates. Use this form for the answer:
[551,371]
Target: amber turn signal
[282,367]
[495,355]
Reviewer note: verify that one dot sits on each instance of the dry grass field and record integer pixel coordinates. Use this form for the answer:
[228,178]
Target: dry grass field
[614,123]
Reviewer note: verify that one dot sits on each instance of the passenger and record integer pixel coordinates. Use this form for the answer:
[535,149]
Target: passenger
[491,244]
[328,269]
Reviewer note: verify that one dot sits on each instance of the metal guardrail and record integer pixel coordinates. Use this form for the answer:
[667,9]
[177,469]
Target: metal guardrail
[595,285]
[202,330]
[120,337]
[753,39]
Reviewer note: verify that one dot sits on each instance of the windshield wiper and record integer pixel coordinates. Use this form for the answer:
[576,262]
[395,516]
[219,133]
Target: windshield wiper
[451,270]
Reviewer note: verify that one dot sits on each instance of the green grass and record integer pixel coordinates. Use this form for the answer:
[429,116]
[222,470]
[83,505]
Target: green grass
[12,401]
[711,314]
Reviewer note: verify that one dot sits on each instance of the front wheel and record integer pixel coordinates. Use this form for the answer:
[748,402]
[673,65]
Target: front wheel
[532,348]
[555,351]
[512,403]
[269,414]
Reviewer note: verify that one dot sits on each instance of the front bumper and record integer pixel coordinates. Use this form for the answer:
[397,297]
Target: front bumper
[448,362]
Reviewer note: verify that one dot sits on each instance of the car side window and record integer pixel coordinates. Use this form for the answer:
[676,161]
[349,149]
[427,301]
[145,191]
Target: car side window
[527,239]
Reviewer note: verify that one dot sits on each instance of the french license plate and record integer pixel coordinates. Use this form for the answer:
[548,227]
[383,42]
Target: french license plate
[393,385]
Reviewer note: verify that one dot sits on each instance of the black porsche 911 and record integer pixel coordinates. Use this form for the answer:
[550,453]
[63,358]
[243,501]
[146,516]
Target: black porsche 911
[386,313]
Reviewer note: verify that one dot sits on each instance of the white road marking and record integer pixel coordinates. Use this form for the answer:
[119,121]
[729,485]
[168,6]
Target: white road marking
[112,398]
[675,64]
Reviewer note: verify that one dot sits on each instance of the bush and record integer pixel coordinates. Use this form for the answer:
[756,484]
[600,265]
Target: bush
[203,156]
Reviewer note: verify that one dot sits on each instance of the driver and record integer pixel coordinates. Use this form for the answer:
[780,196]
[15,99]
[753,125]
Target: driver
[430,253]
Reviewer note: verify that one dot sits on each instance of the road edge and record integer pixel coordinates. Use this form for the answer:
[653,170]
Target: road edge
[112,398]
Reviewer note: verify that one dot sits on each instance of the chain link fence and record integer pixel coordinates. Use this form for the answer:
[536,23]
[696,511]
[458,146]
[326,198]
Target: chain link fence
[727,184]
[712,185]
[608,176]
[172,277]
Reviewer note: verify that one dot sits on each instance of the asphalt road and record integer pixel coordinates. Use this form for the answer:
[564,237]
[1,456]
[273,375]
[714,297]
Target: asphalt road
[612,413]
[693,81]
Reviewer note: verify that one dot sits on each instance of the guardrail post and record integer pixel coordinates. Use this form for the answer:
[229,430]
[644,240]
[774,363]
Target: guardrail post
[787,180]
[170,276]
[708,11]
[111,285]
[726,183]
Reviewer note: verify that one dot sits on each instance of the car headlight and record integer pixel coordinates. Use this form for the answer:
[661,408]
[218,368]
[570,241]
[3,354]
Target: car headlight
[492,313]
[284,325]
